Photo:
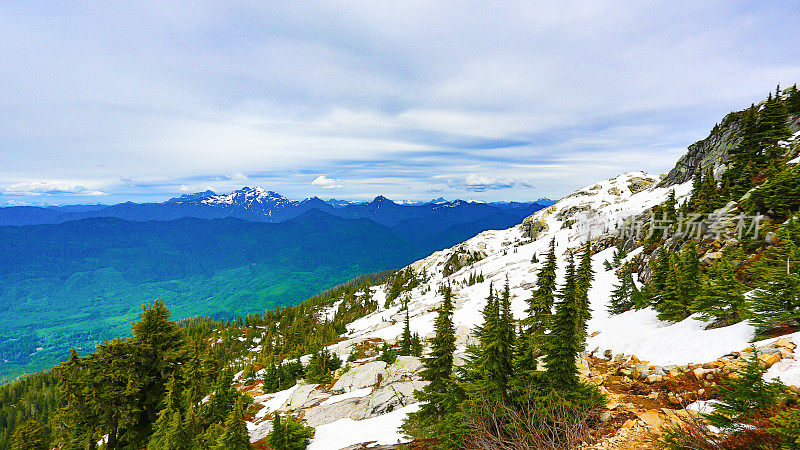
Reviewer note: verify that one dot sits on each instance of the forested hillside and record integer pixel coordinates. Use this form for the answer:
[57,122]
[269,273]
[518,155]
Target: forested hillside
[79,283]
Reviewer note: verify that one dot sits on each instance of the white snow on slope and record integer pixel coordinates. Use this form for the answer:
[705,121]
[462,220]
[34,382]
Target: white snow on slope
[592,211]
[383,429]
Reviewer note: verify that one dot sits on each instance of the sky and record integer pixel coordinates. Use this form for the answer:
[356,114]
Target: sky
[103,102]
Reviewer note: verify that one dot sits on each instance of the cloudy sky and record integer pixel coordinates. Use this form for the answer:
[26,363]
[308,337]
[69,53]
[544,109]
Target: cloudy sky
[493,100]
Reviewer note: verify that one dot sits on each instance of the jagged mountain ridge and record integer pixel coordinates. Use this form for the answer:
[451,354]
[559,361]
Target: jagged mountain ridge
[261,205]
[714,150]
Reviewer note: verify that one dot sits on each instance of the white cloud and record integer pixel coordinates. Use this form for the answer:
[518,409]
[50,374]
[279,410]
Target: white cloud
[339,86]
[184,188]
[39,188]
[480,183]
[327,183]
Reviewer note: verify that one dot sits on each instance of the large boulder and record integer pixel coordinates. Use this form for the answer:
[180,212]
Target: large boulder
[322,414]
[387,398]
[304,396]
[362,376]
[403,369]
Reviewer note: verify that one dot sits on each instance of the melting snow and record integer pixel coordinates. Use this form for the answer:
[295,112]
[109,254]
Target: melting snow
[383,430]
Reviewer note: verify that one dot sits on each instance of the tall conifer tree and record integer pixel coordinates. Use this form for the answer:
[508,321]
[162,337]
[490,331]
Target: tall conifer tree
[585,276]
[436,399]
[564,341]
[235,435]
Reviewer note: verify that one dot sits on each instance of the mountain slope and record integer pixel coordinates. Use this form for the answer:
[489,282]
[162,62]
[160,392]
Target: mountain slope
[81,282]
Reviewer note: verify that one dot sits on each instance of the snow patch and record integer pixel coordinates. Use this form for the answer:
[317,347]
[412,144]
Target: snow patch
[383,430]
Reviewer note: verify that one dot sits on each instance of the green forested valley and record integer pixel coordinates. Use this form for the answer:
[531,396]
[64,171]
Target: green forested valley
[80,283]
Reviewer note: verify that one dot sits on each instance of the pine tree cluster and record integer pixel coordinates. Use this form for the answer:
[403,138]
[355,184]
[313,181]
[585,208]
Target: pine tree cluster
[500,374]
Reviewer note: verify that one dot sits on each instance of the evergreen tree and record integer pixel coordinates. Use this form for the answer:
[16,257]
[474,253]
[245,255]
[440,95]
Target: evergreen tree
[721,297]
[540,305]
[619,255]
[235,435]
[436,399]
[388,354]
[158,350]
[406,340]
[747,151]
[743,183]
[744,396]
[321,365]
[507,337]
[690,276]
[661,268]
[486,359]
[621,297]
[416,345]
[670,305]
[490,362]
[585,276]
[564,339]
[191,426]
[793,101]
[776,302]
[772,127]
[289,434]
[787,427]
[669,207]
[29,436]
[168,429]
[697,188]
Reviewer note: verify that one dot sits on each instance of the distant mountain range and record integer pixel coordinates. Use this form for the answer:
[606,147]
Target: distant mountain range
[260,205]
[76,275]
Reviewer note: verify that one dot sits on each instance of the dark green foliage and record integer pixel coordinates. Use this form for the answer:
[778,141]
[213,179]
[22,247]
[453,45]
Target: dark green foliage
[222,397]
[540,307]
[31,398]
[282,376]
[670,304]
[707,198]
[776,302]
[405,340]
[779,196]
[118,389]
[690,275]
[563,342]
[744,396]
[168,429]
[460,258]
[401,281]
[490,362]
[436,397]
[793,100]
[584,277]
[722,295]
[208,347]
[661,269]
[623,297]
[474,278]
[29,436]
[321,366]
[235,435]
[787,428]
[388,354]
[289,434]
